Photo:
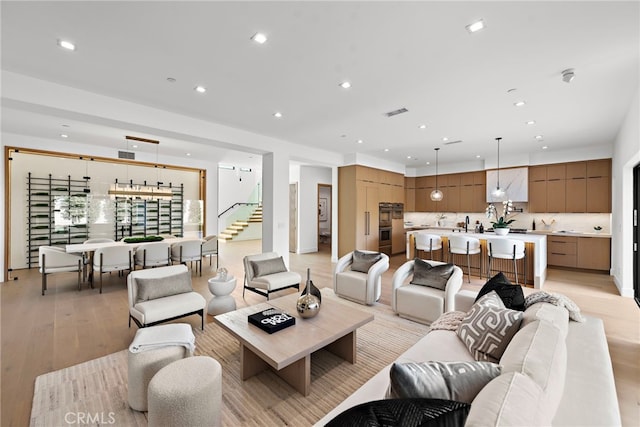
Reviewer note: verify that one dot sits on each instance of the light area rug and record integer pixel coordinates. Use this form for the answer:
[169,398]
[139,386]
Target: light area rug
[96,390]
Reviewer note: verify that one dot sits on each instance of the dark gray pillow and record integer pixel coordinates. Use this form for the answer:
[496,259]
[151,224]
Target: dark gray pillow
[363,261]
[460,381]
[404,413]
[158,287]
[433,276]
[268,266]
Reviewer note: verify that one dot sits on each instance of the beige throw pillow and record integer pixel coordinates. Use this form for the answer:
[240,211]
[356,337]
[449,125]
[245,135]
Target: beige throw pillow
[268,266]
[158,287]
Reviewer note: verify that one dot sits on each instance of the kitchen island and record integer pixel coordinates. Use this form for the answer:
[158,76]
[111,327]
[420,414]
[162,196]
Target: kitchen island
[535,244]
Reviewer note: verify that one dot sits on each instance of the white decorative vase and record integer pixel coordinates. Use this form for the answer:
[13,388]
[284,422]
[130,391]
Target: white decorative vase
[501,231]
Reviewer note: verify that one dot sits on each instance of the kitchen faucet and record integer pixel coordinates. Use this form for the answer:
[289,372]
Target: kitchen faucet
[466,224]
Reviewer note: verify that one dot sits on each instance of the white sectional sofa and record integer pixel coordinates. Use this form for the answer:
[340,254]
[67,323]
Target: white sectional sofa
[554,372]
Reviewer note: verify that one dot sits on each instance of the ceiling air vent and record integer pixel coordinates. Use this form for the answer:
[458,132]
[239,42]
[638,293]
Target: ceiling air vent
[453,142]
[126,155]
[396,112]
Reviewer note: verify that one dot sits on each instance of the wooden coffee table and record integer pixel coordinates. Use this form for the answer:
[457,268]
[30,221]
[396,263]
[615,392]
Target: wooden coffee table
[289,351]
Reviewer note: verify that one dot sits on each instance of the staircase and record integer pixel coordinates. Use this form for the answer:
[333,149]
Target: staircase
[234,229]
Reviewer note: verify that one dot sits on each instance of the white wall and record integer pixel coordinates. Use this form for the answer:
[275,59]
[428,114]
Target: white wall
[626,156]
[310,177]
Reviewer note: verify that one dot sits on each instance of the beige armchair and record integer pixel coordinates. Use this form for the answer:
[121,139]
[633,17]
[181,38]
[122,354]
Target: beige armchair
[352,283]
[56,260]
[421,303]
[266,273]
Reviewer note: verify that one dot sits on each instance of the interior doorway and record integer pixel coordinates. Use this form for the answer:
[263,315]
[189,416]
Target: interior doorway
[636,234]
[324,217]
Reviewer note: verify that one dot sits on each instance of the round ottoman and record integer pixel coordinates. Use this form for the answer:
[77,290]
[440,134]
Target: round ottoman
[221,302]
[143,366]
[187,392]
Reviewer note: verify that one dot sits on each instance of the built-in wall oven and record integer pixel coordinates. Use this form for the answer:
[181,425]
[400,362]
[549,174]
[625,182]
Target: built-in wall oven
[385,240]
[385,214]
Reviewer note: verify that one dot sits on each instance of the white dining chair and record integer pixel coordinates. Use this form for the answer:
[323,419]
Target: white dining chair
[56,260]
[460,244]
[188,251]
[428,243]
[111,258]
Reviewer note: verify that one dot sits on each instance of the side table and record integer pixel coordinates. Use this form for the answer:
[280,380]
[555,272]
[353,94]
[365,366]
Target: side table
[220,288]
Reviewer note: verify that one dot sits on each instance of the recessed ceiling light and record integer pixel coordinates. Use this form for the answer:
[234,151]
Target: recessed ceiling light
[277,114]
[408,157]
[64,135]
[345,85]
[259,38]
[171,80]
[477,156]
[427,163]
[134,146]
[544,147]
[519,103]
[386,149]
[445,139]
[422,126]
[531,122]
[359,141]
[200,89]
[188,154]
[65,44]
[476,26]
[538,137]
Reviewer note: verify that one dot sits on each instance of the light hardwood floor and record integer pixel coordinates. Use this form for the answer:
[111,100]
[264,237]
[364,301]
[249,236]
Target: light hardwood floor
[65,327]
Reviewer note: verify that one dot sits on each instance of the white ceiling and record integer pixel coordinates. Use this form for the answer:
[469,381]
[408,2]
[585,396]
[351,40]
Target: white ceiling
[415,55]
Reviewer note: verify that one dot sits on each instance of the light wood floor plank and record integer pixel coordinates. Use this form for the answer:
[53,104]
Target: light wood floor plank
[65,327]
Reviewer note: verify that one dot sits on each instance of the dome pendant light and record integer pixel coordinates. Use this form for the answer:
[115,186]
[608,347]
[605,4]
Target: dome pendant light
[498,193]
[436,195]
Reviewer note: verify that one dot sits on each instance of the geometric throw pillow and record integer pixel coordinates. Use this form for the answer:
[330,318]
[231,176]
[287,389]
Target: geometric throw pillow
[268,266]
[488,328]
[435,276]
[460,381]
[511,294]
[404,413]
[158,287]
[363,261]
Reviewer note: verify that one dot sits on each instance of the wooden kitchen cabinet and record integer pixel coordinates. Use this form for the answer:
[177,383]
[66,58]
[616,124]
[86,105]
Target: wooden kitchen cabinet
[562,251]
[358,211]
[576,195]
[538,196]
[594,253]
[556,194]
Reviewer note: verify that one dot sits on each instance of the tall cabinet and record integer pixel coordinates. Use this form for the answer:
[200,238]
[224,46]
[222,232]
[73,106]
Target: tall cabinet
[360,191]
[57,213]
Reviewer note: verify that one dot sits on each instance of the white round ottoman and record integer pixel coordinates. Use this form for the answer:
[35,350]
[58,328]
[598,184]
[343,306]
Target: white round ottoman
[143,366]
[187,392]
[221,302]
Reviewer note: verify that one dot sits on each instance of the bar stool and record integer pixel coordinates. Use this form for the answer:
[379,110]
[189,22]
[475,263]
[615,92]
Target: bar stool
[428,243]
[463,245]
[507,249]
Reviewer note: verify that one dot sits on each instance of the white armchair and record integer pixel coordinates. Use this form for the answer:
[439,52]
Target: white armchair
[266,273]
[357,286]
[56,260]
[420,303]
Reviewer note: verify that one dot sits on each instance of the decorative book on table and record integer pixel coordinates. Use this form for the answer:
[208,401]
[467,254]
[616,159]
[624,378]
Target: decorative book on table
[272,320]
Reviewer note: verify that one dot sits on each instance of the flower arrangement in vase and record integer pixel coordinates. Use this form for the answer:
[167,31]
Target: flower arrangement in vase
[502,221]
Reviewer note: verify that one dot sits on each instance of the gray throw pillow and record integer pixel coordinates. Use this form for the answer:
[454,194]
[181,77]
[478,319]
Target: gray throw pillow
[460,381]
[363,261]
[268,266]
[158,287]
[488,328]
[435,276]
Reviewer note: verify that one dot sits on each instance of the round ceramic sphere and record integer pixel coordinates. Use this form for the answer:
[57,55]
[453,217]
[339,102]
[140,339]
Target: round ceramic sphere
[308,306]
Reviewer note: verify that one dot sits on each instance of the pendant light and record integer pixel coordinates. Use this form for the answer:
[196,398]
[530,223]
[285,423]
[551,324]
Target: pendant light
[436,195]
[498,193]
